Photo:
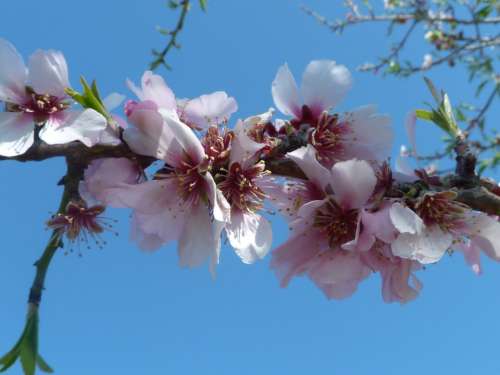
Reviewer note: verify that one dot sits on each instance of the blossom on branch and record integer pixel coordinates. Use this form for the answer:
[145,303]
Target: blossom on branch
[36,101]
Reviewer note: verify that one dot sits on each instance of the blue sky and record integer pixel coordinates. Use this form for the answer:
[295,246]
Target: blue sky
[121,311]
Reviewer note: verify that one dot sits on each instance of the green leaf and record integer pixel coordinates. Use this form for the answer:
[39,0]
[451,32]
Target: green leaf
[42,365]
[203,5]
[29,345]
[483,12]
[424,115]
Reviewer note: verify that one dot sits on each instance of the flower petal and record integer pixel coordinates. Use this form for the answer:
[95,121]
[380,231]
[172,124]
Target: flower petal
[87,127]
[197,242]
[305,158]
[285,93]
[371,135]
[16,133]
[429,246]
[13,74]
[48,73]
[324,85]
[250,235]
[208,110]
[485,233]
[405,220]
[155,89]
[353,182]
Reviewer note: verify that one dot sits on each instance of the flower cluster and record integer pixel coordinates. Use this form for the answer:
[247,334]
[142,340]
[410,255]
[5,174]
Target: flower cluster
[350,215]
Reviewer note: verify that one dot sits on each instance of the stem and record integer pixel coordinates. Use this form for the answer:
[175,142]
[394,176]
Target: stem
[71,183]
[43,263]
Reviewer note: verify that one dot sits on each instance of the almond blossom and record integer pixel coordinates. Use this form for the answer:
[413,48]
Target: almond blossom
[324,85]
[361,134]
[34,96]
[437,223]
[325,230]
[182,202]
[198,113]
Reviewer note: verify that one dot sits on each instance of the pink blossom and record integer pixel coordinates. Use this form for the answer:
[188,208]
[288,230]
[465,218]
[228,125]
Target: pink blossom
[35,96]
[199,113]
[326,243]
[182,202]
[324,84]
[438,224]
[399,284]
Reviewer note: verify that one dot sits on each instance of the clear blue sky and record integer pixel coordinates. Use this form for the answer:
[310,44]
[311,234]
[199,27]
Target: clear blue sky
[120,311]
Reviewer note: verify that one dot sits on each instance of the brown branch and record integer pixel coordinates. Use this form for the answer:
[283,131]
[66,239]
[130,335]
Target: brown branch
[480,199]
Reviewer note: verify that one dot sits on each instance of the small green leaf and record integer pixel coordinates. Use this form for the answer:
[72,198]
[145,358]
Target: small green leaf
[203,5]
[42,365]
[424,115]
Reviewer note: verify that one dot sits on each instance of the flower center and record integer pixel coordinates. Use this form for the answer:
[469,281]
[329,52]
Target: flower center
[217,146]
[41,106]
[327,138]
[240,189]
[441,209]
[191,184]
[337,223]
[82,223]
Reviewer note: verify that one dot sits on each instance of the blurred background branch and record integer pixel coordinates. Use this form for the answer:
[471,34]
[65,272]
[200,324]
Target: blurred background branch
[160,56]
[458,33]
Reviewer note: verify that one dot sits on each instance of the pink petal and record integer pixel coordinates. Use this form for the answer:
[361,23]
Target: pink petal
[48,73]
[484,232]
[353,182]
[104,175]
[292,258]
[285,93]
[324,85]
[472,255]
[305,158]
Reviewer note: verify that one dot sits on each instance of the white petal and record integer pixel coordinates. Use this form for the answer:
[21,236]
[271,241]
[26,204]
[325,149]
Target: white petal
[209,110]
[372,135]
[405,220]
[48,73]
[250,235]
[197,243]
[13,74]
[429,246]
[324,85]
[16,133]
[305,158]
[155,89]
[86,126]
[220,206]
[285,93]
[353,182]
